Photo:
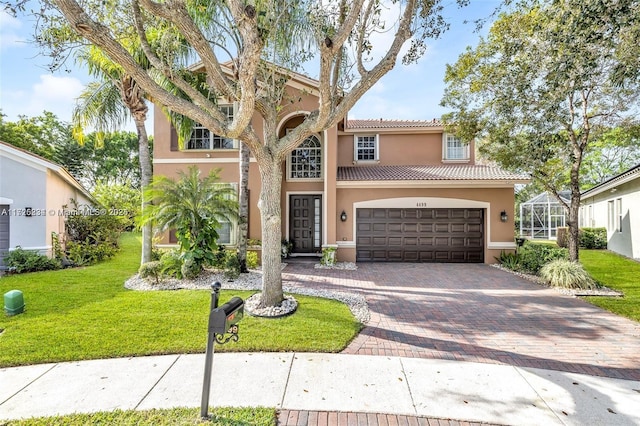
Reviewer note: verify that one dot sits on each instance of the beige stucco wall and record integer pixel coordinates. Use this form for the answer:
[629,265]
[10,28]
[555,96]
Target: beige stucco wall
[398,148]
[59,193]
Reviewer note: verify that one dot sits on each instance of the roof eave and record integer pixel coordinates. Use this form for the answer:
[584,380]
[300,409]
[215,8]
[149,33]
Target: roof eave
[622,178]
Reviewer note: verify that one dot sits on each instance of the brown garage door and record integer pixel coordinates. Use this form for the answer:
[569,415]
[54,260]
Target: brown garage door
[420,235]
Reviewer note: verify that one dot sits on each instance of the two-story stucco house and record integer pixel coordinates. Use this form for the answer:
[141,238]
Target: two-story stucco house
[33,191]
[378,190]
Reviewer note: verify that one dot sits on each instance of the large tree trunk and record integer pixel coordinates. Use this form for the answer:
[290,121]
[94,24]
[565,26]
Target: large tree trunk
[146,173]
[271,174]
[243,220]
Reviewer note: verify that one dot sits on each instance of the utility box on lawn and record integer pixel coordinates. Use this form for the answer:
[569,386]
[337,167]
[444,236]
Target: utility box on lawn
[13,302]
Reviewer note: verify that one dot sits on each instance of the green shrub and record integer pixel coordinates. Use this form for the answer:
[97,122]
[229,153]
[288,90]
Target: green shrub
[219,258]
[21,261]
[232,266]
[566,274]
[171,264]
[252,260]
[82,253]
[191,268]
[509,260]
[91,234]
[151,269]
[593,238]
[532,257]
[254,242]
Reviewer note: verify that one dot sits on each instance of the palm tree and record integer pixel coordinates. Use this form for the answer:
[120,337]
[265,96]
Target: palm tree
[195,208]
[107,104]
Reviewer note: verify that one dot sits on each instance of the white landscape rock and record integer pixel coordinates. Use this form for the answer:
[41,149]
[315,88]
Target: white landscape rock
[250,281]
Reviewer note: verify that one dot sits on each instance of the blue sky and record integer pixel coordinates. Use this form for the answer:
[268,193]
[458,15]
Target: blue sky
[408,92]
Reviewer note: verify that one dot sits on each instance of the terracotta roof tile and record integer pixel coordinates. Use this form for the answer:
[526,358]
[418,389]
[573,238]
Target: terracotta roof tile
[392,124]
[446,172]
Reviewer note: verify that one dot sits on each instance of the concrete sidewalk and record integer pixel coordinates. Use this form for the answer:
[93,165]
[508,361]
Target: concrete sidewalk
[323,382]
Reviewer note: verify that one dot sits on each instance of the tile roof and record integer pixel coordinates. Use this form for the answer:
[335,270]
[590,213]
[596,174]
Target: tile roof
[425,173]
[392,124]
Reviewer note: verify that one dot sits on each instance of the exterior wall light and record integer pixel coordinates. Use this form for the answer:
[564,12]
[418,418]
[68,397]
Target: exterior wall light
[503,216]
[343,216]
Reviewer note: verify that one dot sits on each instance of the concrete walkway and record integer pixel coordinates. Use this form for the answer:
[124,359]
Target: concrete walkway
[336,383]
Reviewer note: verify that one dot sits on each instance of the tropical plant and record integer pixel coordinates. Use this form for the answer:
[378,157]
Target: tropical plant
[509,260]
[171,264]
[194,207]
[107,104]
[566,274]
[328,256]
[252,260]
[20,261]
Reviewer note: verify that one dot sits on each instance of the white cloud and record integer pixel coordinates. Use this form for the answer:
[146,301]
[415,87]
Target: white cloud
[51,93]
[9,29]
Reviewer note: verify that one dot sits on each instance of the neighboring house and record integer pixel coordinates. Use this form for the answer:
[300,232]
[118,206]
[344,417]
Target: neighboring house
[541,216]
[33,191]
[378,190]
[615,204]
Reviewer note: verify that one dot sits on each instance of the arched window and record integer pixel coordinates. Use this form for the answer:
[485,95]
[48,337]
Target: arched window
[306,160]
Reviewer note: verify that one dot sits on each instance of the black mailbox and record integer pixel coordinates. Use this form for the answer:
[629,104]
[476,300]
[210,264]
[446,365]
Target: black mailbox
[226,316]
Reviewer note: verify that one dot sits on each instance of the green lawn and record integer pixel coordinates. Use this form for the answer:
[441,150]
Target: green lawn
[177,416]
[87,313]
[616,272]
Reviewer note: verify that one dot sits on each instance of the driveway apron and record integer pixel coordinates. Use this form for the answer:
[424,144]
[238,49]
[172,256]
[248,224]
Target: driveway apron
[474,312]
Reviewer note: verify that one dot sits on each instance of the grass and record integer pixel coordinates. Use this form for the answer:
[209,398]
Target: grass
[87,313]
[176,416]
[616,272]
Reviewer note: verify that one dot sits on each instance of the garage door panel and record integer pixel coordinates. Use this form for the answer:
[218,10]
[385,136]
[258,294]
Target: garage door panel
[379,227]
[380,241]
[458,242]
[394,227]
[363,227]
[441,227]
[410,227]
[420,235]
[459,227]
[394,214]
[457,214]
[379,214]
[474,227]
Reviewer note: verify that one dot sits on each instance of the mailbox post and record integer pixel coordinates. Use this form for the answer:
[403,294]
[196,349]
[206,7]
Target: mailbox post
[222,320]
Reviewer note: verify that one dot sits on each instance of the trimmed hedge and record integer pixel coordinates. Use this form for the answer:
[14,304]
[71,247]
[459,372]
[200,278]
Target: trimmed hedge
[590,238]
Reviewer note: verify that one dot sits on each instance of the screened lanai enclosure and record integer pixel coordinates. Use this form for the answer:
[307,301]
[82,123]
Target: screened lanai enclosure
[541,216]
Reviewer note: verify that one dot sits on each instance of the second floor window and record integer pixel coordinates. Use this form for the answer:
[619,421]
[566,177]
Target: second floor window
[202,138]
[366,148]
[305,161]
[455,149]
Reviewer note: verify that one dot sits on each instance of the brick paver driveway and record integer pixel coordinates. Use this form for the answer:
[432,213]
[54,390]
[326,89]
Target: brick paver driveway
[479,313]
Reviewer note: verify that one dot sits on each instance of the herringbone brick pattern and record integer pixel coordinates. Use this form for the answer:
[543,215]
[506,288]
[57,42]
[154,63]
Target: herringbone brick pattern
[477,313]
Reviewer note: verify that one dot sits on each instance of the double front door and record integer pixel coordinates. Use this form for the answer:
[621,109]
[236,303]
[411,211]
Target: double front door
[305,223]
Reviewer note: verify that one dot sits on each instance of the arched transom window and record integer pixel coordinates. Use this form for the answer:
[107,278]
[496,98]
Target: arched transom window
[306,160]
